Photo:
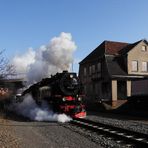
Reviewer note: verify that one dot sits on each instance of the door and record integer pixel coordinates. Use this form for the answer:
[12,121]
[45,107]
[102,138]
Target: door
[121,90]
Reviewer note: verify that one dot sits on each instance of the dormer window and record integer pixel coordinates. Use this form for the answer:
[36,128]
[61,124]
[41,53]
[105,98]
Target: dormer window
[143,48]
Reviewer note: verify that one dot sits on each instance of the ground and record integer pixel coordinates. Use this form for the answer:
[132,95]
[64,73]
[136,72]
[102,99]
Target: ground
[16,133]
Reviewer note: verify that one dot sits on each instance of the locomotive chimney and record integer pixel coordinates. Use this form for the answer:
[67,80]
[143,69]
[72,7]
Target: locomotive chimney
[65,71]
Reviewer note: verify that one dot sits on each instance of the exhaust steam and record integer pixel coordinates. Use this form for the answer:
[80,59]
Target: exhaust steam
[29,108]
[49,59]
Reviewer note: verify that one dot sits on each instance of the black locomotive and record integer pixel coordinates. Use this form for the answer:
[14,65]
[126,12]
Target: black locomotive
[62,91]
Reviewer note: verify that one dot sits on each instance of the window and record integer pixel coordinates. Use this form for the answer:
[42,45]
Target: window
[143,48]
[90,70]
[96,88]
[134,65]
[93,68]
[144,66]
[84,71]
[99,67]
[85,89]
[90,89]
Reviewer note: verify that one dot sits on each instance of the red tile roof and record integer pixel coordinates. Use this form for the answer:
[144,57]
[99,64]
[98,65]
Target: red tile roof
[112,47]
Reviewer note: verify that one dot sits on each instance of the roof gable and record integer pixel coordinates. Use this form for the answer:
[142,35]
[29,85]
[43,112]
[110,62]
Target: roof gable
[131,46]
[110,48]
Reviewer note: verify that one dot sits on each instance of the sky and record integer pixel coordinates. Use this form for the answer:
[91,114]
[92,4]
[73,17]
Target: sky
[32,23]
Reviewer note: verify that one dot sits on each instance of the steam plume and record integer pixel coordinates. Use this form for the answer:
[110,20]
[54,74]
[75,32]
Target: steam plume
[49,59]
[22,62]
[29,108]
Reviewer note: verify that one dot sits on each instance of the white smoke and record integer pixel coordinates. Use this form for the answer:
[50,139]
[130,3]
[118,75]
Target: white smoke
[22,62]
[30,109]
[49,59]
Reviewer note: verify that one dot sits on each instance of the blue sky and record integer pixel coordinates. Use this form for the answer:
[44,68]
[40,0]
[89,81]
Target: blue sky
[32,23]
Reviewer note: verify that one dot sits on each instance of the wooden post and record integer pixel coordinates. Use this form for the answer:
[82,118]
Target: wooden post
[114,93]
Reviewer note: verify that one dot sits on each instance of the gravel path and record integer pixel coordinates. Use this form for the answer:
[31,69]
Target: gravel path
[7,138]
[43,134]
[15,134]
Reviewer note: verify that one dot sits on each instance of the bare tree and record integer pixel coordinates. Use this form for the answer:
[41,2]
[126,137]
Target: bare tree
[6,69]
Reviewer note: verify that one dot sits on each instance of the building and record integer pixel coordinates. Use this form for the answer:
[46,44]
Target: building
[9,87]
[114,71]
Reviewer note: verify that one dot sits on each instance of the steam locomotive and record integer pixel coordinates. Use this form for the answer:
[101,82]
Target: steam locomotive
[62,91]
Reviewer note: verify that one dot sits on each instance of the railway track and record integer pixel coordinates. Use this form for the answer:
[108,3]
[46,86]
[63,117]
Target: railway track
[132,138]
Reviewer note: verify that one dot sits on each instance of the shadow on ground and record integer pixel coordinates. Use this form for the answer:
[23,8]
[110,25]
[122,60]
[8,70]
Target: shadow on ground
[133,109]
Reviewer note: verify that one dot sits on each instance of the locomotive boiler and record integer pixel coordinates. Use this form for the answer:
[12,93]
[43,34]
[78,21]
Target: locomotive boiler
[62,91]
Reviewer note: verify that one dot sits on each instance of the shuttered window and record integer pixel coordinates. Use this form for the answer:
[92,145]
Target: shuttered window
[99,67]
[143,48]
[93,68]
[84,71]
[144,66]
[134,65]
[90,70]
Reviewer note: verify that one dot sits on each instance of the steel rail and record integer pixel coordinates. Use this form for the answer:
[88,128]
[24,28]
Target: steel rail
[135,138]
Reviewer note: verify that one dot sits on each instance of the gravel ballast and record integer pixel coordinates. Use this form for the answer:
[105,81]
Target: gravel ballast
[118,120]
